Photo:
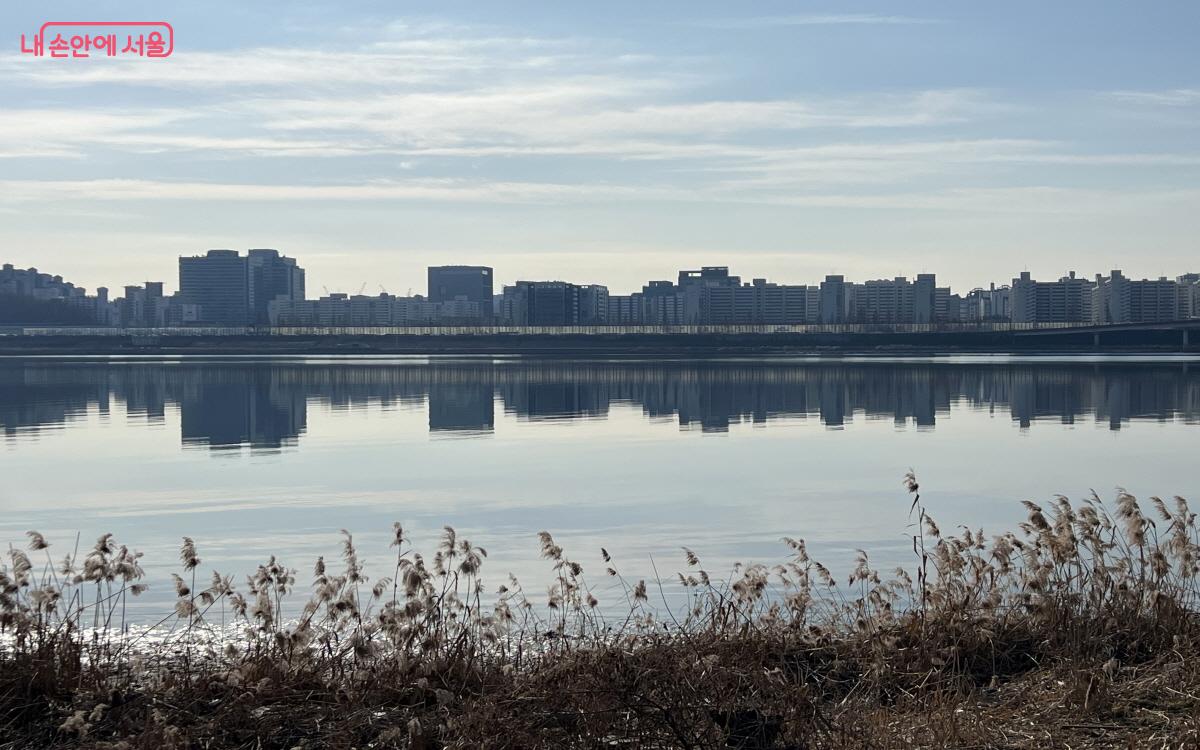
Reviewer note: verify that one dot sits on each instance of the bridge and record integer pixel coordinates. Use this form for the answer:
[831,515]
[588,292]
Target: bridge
[1184,327]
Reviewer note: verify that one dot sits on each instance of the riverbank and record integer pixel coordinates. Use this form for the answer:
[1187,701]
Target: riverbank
[1079,629]
[611,344]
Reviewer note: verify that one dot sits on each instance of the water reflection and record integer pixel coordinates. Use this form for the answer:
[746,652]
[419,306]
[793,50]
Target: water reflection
[264,404]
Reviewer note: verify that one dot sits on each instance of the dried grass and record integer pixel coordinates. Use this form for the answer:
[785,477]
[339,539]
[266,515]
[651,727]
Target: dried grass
[1078,629]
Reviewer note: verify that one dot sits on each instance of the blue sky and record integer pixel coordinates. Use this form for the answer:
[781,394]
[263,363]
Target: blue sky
[611,142]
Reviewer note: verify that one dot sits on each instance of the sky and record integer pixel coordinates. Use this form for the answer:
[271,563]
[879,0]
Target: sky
[611,142]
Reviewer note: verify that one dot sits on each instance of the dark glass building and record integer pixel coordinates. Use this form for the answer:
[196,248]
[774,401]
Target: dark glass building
[470,283]
[232,290]
[552,303]
[216,283]
[271,276]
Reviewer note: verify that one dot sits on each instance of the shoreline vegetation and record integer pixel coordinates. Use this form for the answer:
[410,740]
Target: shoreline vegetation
[1080,628]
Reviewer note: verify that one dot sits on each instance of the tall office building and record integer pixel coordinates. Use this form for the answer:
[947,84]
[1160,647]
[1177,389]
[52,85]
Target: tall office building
[626,309]
[514,305]
[659,303]
[707,294]
[271,276]
[553,303]
[462,283]
[216,283]
[547,303]
[231,290]
[924,303]
[593,304]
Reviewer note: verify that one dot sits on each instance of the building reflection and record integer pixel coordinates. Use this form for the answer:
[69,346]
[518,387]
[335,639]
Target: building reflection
[461,407]
[264,405]
[228,411]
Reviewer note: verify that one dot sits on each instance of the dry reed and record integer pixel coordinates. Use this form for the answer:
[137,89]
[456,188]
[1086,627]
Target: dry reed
[1078,628]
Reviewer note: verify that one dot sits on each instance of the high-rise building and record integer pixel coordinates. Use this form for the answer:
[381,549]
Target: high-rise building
[835,299]
[659,303]
[271,276]
[1189,295]
[231,290]
[884,301]
[775,304]
[708,276]
[514,305]
[626,309]
[593,304]
[216,283]
[465,283]
[1068,300]
[925,298]
[987,305]
[1154,300]
[142,306]
[29,297]
[547,303]
[552,303]
[340,309]
[1117,299]
[707,295]
[713,297]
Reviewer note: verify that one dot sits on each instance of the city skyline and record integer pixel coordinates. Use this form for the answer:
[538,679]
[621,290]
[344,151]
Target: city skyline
[266,288]
[375,285]
[793,140]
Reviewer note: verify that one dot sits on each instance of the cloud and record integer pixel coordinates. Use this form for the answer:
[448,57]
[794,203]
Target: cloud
[448,61]
[386,190]
[477,96]
[626,114]
[596,115]
[902,162]
[814,19]
[1028,199]
[59,131]
[1164,98]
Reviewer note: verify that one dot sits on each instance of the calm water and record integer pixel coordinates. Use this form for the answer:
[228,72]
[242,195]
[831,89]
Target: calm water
[259,456]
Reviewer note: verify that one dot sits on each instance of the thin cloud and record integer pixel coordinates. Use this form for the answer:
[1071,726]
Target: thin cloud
[1164,98]
[453,62]
[815,19]
[1031,199]
[586,114]
[446,190]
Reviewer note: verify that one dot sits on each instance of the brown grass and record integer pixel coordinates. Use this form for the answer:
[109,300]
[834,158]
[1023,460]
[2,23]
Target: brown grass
[1079,629]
